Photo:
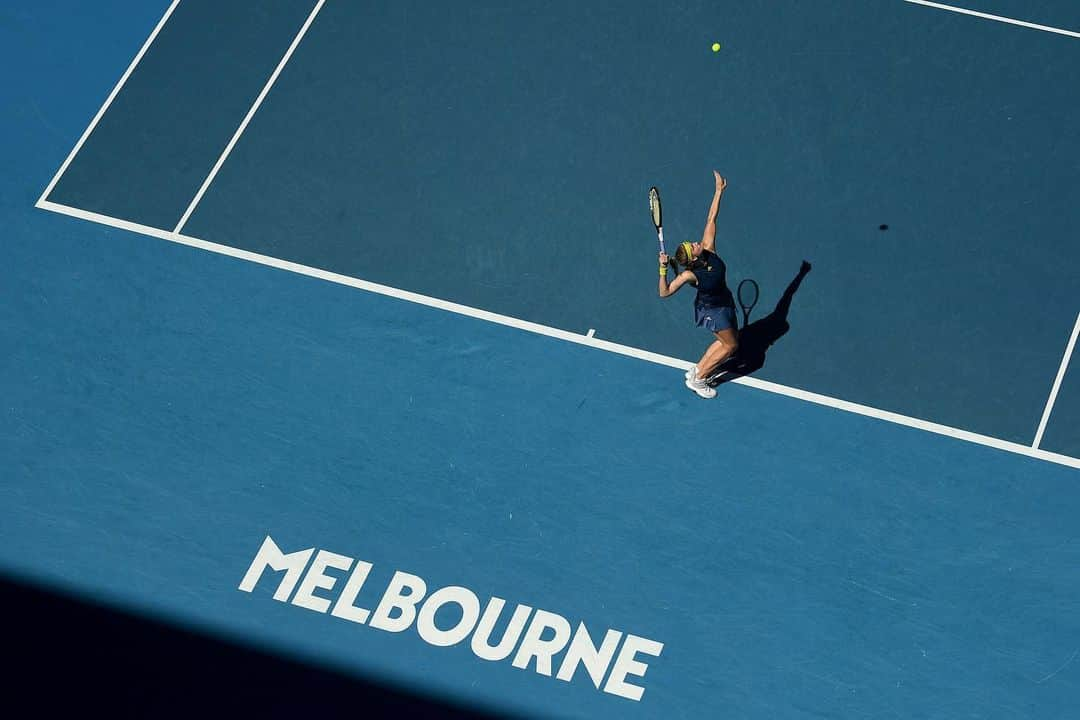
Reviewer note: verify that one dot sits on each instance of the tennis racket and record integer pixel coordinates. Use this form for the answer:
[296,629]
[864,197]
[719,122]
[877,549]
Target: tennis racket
[654,208]
[748,293]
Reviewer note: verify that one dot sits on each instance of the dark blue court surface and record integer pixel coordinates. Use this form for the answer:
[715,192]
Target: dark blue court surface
[167,409]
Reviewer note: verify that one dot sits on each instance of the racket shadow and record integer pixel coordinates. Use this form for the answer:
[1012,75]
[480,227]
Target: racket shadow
[757,337]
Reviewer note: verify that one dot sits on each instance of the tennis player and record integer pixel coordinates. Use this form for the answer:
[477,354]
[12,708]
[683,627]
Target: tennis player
[714,305]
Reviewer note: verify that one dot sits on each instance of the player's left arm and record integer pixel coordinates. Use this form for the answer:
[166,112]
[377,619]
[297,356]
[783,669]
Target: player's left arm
[708,237]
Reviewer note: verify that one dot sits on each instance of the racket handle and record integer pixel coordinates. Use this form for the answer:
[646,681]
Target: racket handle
[660,236]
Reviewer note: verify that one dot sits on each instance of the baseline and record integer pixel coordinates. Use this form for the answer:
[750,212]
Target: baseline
[581,339]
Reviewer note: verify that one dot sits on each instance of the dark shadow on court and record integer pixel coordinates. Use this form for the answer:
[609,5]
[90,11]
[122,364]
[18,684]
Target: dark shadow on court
[757,337]
[69,657]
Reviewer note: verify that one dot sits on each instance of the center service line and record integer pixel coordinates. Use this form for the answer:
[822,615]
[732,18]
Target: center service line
[247,118]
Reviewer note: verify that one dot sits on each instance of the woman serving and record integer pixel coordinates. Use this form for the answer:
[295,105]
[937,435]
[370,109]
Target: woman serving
[714,305]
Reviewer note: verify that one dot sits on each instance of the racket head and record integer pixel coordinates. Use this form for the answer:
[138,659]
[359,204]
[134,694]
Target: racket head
[748,297]
[654,207]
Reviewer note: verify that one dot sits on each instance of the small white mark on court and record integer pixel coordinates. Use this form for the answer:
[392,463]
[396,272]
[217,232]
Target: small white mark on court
[591,333]
[1065,665]
[877,592]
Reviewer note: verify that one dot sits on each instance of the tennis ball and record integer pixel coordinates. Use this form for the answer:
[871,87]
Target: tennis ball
[716,47]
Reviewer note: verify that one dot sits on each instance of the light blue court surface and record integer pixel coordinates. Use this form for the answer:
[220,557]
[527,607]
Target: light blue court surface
[165,409]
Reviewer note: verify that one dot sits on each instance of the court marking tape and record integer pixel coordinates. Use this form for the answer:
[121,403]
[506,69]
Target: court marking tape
[997,18]
[580,339]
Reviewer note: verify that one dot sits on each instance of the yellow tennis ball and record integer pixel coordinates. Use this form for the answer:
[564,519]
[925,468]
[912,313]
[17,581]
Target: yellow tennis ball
[716,47]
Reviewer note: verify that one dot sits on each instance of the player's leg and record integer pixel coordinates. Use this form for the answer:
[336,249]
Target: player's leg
[720,350]
[722,323]
[725,345]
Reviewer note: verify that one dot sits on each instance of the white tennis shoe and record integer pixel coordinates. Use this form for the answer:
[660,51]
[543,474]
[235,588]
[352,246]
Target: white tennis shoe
[701,388]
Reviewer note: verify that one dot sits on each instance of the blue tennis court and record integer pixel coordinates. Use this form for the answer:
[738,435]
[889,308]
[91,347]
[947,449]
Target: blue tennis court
[333,333]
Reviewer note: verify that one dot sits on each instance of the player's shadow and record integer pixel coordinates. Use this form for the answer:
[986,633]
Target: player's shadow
[757,337]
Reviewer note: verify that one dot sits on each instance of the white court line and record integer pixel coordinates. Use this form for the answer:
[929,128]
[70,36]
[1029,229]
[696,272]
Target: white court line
[172,236]
[108,101]
[247,118]
[1057,383]
[998,18]
[589,340]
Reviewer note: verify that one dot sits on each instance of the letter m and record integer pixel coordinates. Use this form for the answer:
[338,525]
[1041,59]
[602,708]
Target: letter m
[270,555]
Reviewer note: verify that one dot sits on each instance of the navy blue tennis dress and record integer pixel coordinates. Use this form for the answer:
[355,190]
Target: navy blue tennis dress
[714,305]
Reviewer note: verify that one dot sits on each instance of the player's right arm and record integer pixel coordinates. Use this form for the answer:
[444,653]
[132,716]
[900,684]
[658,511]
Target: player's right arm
[708,236]
[668,289]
